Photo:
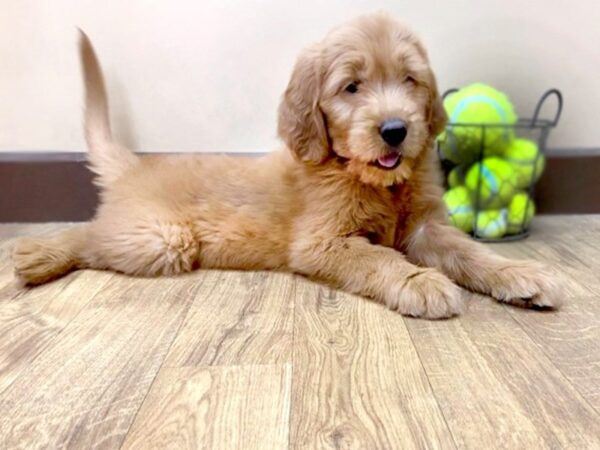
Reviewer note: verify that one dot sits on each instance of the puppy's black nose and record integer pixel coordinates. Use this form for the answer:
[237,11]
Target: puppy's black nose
[393,132]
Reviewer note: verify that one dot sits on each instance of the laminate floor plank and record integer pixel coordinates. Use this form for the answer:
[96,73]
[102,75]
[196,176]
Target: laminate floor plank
[84,390]
[245,318]
[495,385]
[217,407]
[222,360]
[358,381]
[33,318]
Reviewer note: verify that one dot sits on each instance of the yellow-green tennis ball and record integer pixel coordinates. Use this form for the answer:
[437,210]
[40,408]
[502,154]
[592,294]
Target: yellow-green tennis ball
[456,177]
[454,150]
[491,224]
[460,209]
[471,107]
[521,210]
[525,158]
[459,145]
[494,179]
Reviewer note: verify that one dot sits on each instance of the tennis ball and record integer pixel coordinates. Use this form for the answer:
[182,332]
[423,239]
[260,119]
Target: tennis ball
[472,107]
[491,224]
[456,177]
[454,149]
[497,183]
[521,210]
[458,145]
[460,210]
[525,158]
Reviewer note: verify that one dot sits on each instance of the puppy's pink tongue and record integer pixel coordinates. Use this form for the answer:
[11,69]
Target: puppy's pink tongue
[388,160]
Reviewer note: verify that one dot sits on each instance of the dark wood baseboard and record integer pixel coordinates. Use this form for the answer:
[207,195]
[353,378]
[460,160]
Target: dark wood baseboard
[46,187]
[570,184]
[41,187]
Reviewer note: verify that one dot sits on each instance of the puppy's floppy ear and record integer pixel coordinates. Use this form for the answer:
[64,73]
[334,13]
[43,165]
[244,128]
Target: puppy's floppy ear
[437,114]
[301,123]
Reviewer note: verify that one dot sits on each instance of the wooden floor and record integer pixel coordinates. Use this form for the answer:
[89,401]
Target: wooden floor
[222,360]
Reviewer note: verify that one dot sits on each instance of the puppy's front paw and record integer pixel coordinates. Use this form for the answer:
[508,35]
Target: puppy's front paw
[528,283]
[426,293]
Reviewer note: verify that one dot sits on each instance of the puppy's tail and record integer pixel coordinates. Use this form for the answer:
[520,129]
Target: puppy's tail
[108,160]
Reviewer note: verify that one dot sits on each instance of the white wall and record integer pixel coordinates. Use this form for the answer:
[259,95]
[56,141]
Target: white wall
[207,75]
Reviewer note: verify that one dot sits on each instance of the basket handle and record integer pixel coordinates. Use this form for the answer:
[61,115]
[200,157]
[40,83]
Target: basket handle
[448,92]
[542,100]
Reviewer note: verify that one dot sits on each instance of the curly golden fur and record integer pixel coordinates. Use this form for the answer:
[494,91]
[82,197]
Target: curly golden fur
[322,207]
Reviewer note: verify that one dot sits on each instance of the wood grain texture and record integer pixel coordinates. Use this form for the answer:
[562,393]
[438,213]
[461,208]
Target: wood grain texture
[268,360]
[243,407]
[10,231]
[495,385]
[84,389]
[239,318]
[571,340]
[358,382]
[33,318]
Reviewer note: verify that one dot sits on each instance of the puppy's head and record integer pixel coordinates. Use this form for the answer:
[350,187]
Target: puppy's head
[366,94]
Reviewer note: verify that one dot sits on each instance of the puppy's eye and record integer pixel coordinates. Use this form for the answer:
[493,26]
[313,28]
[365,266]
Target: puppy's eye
[352,88]
[410,80]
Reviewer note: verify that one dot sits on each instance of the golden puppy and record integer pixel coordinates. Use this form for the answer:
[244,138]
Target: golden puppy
[354,199]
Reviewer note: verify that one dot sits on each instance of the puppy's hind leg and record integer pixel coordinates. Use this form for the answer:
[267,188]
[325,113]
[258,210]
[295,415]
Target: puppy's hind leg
[159,244]
[39,260]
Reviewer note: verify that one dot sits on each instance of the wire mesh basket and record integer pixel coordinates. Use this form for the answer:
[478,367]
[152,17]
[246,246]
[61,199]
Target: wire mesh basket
[490,193]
